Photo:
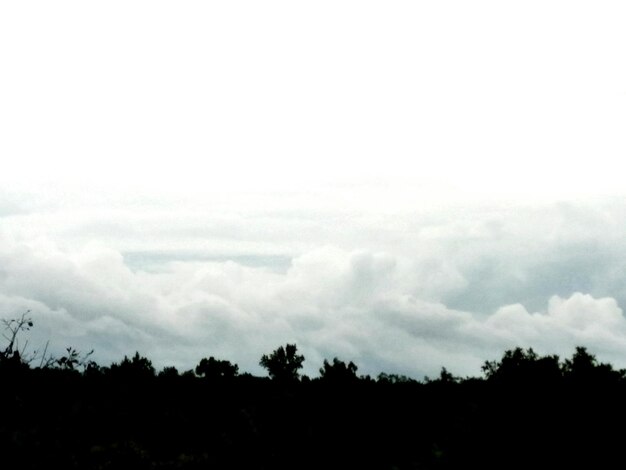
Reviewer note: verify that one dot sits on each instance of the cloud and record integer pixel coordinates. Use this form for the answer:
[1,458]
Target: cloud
[579,319]
[359,305]
[406,290]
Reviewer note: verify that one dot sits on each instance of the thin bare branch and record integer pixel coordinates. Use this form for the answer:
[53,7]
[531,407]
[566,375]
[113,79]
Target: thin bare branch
[43,356]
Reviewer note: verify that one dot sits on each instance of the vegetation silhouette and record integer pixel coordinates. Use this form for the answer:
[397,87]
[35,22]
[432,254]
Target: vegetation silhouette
[215,369]
[526,410]
[283,363]
[338,371]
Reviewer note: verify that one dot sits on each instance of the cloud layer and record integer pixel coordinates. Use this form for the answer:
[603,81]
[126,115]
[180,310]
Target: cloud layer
[221,178]
[422,291]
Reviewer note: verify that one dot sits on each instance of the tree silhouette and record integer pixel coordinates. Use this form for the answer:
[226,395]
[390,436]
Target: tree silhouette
[212,368]
[445,377]
[385,378]
[519,366]
[338,371]
[136,368]
[169,373]
[73,360]
[583,367]
[283,363]
[528,408]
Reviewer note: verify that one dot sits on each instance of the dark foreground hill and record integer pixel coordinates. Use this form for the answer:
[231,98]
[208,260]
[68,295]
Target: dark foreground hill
[527,411]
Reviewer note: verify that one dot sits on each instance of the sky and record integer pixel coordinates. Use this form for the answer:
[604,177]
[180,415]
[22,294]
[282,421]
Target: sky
[407,185]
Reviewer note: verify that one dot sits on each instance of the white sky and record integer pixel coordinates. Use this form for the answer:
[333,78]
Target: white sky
[523,98]
[382,181]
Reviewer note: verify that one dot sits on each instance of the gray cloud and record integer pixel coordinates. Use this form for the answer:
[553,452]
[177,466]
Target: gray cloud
[421,291]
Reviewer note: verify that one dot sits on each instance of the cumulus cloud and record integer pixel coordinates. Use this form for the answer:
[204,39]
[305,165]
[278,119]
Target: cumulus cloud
[383,310]
[406,290]
[579,319]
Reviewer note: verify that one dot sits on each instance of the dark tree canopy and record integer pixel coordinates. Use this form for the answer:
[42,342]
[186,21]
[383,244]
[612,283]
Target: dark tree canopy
[386,378]
[338,371]
[283,363]
[534,410]
[212,368]
[445,378]
[583,367]
[135,368]
[519,366]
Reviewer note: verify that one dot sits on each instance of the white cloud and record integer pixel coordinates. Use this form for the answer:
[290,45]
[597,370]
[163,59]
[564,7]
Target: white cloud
[362,305]
[578,320]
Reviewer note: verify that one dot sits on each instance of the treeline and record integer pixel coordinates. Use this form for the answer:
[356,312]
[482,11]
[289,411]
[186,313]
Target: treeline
[525,410]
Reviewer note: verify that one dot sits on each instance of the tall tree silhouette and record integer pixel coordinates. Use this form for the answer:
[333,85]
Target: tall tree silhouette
[583,367]
[283,363]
